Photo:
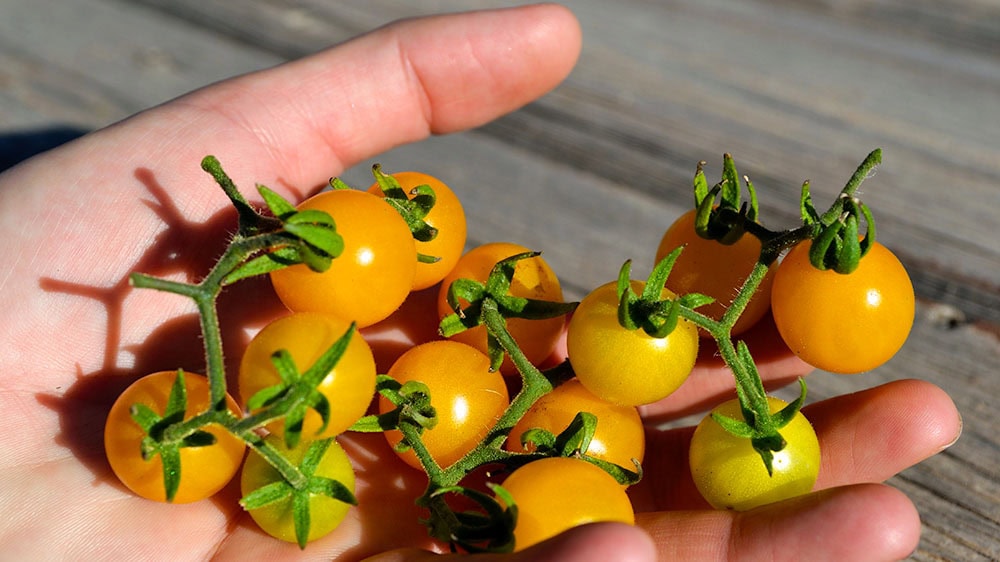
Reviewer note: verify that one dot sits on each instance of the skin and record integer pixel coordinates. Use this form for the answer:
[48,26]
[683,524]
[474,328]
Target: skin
[132,197]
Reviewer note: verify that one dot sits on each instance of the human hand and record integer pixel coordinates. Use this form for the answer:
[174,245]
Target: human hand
[77,334]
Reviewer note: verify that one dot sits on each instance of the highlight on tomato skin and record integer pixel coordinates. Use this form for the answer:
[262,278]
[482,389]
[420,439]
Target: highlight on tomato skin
[372,276]
[843,323]
[204,470]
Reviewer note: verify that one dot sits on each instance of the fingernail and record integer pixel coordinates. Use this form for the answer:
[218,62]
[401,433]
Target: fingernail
[961,425]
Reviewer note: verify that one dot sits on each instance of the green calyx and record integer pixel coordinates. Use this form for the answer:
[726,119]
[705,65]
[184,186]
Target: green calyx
[267,243]
[652,313]
[759,425]
[302,492]
[166,435]
[296,393]
[413,209]
[490,529]
[723,221]
[413,411]
[412,401]
[574,441]
[496,289]
[837,244]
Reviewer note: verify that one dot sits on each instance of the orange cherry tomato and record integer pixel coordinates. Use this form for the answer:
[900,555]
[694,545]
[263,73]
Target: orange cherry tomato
[843,323]
[533,278]
[558,493]
[373,275]
[467,396]
[447,216]
[716,270]
[204,470]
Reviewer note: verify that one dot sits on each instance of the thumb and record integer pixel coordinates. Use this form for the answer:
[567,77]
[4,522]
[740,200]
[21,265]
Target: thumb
[596,542]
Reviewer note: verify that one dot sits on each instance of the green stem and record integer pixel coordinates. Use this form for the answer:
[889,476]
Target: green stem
[205,295]
[250,221]
[747,379]
[215,368]
[412,434]
[873,159]
[749,385]
[534,385]
[744,295]
[178,431]
[288,471]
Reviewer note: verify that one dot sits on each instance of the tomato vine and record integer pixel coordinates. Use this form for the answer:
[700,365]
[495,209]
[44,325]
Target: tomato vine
[308,238]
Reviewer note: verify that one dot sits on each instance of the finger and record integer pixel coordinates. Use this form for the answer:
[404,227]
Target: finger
[872,435]
[711,381]
[867,436]
[308,119]
[398,84]
[872,522]
[596,542]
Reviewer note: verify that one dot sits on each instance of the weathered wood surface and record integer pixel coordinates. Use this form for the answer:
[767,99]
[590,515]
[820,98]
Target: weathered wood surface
[794,90]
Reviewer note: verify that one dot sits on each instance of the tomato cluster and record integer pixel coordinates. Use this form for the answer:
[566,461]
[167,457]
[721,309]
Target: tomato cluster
[277,373]
[563,432]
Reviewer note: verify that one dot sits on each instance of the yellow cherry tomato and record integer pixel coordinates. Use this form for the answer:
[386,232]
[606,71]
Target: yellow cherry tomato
[349,386]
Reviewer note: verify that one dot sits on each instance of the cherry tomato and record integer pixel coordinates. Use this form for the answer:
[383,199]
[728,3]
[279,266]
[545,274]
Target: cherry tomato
[447,215]
[372,276]
[623,366]
[533,278]
[466,395]
[204,470]
[843,323]
[349,387]
[558,493]
[716,270]
[618,438]
[277,518]
[730,474]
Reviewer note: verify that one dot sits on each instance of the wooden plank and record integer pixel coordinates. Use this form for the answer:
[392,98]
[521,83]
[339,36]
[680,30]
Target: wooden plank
[89,63]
